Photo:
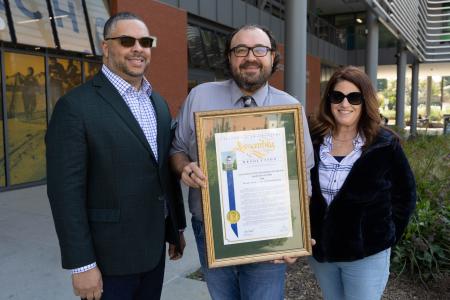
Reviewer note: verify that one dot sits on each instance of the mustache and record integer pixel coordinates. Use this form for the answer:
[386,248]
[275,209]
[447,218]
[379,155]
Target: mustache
[136,56]
[250,64]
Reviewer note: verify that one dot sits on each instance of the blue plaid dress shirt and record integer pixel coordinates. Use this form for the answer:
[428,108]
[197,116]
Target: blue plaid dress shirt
[140,105]
[332,173]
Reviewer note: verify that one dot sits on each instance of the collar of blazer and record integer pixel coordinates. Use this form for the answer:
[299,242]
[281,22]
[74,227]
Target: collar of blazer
[110,95]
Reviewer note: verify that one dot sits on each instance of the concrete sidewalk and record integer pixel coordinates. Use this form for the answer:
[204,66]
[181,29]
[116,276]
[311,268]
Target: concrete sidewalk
[30,266]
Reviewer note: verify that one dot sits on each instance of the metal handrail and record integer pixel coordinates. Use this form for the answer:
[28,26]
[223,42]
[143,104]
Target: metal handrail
[438,8]
[438,34]
[438,28]
[438,47]
[438,2]
[438,15]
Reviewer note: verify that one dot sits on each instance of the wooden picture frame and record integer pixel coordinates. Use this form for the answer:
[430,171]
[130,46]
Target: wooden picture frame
[255,204]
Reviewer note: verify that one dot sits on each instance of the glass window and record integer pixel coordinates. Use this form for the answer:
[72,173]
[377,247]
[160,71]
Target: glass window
[210,43]
[2,147]
[32,23]
[26,113]
[98,14]
[344,20]
[71,25]
[387,40]
[360,37]
[64,74]
[221,39]
[325,74]
[90,69]
[4,28]
[72,74]
[56,77]
[195,47]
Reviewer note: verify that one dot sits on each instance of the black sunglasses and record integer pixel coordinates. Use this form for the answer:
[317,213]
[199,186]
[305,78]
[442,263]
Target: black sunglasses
[129,41]
[337,97]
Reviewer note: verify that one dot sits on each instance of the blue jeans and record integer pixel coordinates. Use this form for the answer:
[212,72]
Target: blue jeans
[258,281]
[363,279]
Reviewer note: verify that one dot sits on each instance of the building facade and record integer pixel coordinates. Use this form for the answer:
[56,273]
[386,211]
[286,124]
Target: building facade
[48,47]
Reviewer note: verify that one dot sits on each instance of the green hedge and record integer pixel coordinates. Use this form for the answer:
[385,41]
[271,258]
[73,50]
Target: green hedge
[424,251]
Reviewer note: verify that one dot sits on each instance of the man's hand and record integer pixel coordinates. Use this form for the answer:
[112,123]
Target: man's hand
[290,260]
[88,285]
[188,171]
[286,259]
[174,252]
[193,176]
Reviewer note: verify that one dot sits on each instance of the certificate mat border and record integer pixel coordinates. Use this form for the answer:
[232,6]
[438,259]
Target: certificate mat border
[296,110]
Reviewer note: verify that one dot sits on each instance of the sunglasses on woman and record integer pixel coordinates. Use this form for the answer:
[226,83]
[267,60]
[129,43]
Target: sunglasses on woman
[337,97]
[129,41]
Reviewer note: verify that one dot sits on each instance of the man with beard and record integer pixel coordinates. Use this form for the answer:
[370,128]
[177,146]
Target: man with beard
[108,175]
[251,55]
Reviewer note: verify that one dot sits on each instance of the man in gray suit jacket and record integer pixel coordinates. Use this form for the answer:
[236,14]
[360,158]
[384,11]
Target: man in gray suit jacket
[112,195]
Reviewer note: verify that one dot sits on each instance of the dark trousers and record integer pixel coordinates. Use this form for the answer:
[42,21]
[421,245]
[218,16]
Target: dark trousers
[142,286]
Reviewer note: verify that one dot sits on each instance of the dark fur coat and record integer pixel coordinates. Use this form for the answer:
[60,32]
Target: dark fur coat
[372,208]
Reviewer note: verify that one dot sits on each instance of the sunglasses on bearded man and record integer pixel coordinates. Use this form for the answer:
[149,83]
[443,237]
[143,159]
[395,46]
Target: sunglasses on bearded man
[129,41]
[336,97]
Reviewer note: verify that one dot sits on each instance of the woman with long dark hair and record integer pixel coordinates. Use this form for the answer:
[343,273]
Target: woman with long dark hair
[363,190]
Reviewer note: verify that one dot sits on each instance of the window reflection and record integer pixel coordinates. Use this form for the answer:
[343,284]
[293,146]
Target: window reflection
[26,113]
[98,12]
[206,55]
[213,52]
[90,69]
[195,47]
[65,74]
[71,26]
[56,70]
[32,23]
[4,27]
[2,147]
[72,74]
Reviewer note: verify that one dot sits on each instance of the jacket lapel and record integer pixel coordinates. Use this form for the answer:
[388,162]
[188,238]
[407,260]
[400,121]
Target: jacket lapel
[157,105]
[110,95]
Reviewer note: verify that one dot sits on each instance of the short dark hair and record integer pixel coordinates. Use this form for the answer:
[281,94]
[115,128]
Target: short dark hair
[273,44]
[112,21]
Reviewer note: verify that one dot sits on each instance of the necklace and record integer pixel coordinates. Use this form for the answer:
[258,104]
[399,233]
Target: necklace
[343,140]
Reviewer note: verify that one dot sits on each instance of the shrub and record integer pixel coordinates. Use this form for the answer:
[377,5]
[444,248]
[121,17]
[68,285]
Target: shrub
[424,251]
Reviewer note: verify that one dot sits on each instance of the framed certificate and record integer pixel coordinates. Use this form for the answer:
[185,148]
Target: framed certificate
[255,204]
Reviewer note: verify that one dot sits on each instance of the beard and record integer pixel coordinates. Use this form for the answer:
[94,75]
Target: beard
[123,67]
[250,81]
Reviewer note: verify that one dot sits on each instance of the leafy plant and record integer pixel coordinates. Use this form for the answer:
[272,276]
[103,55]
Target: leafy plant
[424,251]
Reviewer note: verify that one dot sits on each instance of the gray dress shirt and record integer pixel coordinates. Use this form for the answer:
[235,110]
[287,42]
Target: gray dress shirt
[225,95]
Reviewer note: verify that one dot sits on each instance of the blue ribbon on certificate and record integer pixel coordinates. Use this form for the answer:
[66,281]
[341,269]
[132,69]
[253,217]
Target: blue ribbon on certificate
[231,199]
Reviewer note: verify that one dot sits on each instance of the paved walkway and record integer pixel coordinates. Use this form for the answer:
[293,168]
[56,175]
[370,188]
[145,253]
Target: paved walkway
[30,267]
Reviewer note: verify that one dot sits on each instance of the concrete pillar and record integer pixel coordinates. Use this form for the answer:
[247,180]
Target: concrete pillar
[414,96]
[429,92]
[295,49]
[372,47]
[400,96]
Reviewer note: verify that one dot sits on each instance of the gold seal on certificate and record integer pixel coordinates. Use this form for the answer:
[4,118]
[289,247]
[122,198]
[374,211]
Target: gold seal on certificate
[233,216]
